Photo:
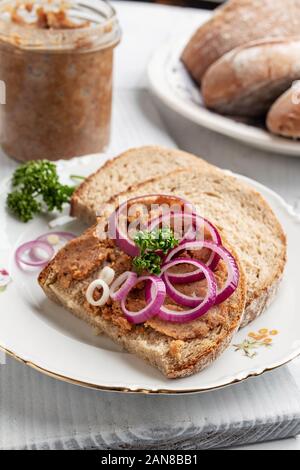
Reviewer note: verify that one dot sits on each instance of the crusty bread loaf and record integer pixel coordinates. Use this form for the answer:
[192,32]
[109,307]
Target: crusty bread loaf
[177,351]
[119,174]
[247,80]
[243,217]
[236,23]
[284,116]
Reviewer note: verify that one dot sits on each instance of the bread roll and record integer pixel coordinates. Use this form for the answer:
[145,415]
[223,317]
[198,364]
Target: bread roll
[247,80]
[284,116]
[236,23]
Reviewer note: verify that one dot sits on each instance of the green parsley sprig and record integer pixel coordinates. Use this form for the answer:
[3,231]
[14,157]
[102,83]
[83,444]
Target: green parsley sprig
[150,244]
[36,187]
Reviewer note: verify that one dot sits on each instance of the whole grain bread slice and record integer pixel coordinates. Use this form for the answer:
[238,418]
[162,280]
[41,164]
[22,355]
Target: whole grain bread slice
[243,217]
[177,351]
[235,23]
[128,169]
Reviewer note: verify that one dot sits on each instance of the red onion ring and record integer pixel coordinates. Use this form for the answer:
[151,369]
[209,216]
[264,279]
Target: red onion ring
[44,238]
[176,295]
[192,314]
[122,239]
[29,246]
[196,220]
[153,304]
[126,280]
[232,268]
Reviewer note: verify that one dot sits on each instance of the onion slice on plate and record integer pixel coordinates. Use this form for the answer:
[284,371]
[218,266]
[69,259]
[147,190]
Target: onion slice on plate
[158,294]
[175,294]
[233,274]
[28,247]
[47,238]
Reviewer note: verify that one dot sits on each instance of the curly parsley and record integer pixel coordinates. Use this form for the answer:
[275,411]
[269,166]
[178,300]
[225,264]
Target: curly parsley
[150,244]
[36,187]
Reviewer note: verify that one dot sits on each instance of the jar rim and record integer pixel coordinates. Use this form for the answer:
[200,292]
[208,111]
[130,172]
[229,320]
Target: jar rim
[99,34]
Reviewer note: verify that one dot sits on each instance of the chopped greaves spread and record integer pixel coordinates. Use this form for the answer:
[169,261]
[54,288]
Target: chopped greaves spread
[48,19]
[40,17]
[86,255]
[57,68]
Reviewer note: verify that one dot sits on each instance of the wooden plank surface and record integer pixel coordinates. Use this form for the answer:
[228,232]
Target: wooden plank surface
[40,412]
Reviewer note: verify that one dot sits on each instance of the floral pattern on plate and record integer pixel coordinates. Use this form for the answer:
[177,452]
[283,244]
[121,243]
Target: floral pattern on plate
[5,279]
[262,339]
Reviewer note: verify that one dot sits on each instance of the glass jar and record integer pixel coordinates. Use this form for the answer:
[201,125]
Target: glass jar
[56,61]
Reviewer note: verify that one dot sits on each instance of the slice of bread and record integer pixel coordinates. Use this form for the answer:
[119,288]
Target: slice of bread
[247,80]
[236,23]
[243,217]
[284,116]
[177,350]
[119,174]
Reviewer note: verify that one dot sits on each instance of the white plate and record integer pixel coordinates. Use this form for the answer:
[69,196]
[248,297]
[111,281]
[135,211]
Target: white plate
[170,81]
[45,336]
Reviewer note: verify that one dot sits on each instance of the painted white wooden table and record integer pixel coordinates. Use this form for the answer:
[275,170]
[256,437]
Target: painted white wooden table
[37,410]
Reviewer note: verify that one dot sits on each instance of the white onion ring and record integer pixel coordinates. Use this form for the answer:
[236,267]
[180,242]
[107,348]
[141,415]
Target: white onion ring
[90,293]
[107,275]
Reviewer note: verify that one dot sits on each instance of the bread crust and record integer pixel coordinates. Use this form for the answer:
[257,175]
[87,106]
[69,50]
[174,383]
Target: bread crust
[284,116]
[236,23]
[84,206]
[259,304]
[248,79]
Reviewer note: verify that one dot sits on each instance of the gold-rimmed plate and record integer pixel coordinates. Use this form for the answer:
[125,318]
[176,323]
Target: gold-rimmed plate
[46,337]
